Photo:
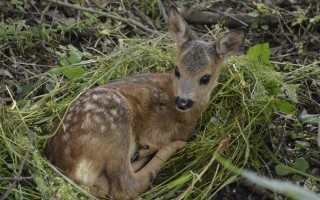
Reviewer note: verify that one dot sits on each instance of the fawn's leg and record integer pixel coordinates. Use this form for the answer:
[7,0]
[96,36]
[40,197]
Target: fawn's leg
[100,187]
[125,184]
[141,162]
[151,170]
[142,156]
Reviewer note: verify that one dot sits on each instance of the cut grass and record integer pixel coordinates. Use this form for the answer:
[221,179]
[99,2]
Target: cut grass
[242,106]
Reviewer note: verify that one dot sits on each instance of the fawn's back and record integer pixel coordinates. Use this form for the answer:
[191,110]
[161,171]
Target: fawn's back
[116,137]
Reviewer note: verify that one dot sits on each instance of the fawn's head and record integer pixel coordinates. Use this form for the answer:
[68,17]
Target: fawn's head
[198,62]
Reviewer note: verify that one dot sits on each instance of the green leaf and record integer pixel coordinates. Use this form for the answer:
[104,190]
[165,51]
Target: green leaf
[284,106]
[274,88]
[64,62]
[291,91]
[254,13]
[105,32]
[301,144]
[265,27]
[69,72]
[254,25]
[26,89]
[261,7]
[260,52]
[293,135]
[301,164]
[72,73]
[24,103]
[310,118]
[295,178]
[299,20]
[315,19]
[49,87]
[281,171]
[294,23]
[275,141]
[74,57]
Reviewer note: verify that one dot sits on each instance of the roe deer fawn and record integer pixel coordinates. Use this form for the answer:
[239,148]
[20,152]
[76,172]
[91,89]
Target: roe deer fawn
[115,138]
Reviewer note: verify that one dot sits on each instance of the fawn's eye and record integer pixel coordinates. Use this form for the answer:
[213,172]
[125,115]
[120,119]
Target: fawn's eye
[176,72]
[205,80]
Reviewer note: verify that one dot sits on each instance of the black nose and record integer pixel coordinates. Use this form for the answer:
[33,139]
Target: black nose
[183,104]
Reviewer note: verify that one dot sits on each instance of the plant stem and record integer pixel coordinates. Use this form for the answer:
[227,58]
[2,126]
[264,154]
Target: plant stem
[131,22]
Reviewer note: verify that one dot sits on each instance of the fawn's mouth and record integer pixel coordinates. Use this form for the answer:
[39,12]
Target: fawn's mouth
[182,110]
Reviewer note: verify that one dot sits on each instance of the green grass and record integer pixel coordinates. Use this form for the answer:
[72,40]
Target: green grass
[242,106]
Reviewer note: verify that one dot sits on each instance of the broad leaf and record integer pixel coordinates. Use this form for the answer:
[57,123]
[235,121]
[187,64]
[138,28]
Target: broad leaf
[301,164]
[69,72]
[281,171]
[284,106]
[254,13]
[261,53]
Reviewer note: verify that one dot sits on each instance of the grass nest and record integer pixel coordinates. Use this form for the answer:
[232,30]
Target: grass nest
[242,106]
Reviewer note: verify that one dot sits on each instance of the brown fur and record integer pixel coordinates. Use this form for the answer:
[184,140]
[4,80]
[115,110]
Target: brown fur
[107,127]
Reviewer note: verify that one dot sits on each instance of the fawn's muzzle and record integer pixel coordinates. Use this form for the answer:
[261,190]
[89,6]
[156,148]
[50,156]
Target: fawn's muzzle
[183,104]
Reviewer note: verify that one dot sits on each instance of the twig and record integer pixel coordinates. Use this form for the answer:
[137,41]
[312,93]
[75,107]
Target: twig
[4,45]
[240,21]
[123,7]
[319,134]
[280,20]
[43,13]
[235,20]
[13,184]
[145,17]
[3,100]
[131,22]
[284,63]
[266,165]
[16,178]
[162,11]
[223,145]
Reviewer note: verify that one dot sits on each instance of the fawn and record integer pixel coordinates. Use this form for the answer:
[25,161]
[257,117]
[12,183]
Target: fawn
[115,138]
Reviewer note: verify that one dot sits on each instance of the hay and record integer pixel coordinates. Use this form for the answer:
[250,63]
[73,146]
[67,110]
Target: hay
[241,106]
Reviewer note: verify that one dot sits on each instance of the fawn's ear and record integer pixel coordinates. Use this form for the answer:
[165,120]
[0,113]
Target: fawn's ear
[231,43]
[178,28]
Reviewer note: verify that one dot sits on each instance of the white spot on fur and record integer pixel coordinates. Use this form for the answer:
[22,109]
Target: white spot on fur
[108,98]
[97,119]
[87,121]
[114,112]
[85,138]
[95,97]
[113,126]
[116,99]
[83,172]
[89,106]
[102,128]
[89,140]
